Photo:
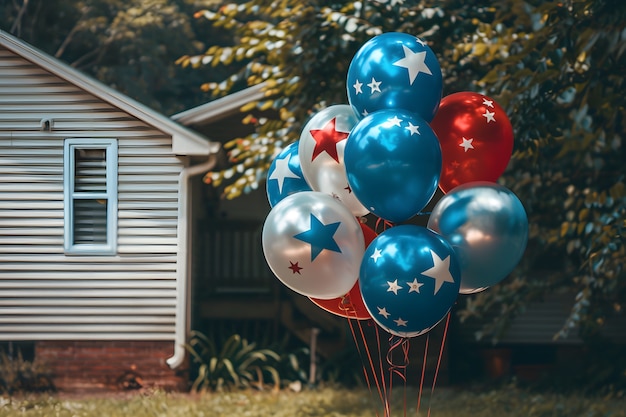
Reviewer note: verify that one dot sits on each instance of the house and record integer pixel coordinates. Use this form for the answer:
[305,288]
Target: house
[96,221]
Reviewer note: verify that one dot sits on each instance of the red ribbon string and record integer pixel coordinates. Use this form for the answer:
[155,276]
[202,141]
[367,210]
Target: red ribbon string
[385,396]
[386,224]
[419,396]
[398,369]
[365,373]
[443,342]
[346,305]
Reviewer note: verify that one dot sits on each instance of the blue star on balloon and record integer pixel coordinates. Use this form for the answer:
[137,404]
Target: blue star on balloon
[320,237]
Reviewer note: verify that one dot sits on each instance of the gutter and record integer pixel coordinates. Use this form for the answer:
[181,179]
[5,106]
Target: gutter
[183,260]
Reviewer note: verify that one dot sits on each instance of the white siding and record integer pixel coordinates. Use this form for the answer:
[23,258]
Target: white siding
[45,294]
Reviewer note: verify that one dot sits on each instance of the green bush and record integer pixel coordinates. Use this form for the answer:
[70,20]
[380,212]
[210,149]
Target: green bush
[237,364]
[19,375]
[290,365]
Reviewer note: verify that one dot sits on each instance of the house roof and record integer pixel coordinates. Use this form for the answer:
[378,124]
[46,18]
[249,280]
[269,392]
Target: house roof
[184,140]
[220,108]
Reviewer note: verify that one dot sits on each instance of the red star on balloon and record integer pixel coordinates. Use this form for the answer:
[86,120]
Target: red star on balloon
[295,268]
[326,139]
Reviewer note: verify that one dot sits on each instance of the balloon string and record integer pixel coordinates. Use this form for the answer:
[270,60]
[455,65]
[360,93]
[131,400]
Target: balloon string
[346,305]
[386,224]
[395,368]
[443,342]
[382,373]
[419,396]
[367,378]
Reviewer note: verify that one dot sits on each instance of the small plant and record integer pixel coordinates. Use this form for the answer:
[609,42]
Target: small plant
[290,366]
[19,375]
[238,364]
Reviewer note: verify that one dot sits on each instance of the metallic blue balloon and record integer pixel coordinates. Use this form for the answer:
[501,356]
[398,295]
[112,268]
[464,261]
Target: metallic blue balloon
[409,279]
[395,71]
[393,162]
[488,228]
[285,175]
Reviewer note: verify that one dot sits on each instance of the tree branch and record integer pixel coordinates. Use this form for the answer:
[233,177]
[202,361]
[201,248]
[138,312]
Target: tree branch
[16,29]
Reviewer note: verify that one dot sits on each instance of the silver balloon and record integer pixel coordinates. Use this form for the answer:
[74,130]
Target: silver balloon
[321,149]
[313,244]
[488,228]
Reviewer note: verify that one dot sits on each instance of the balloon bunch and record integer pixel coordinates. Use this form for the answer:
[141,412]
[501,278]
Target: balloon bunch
[385,154]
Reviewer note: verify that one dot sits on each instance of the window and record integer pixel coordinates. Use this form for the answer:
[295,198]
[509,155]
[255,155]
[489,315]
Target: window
[90,181]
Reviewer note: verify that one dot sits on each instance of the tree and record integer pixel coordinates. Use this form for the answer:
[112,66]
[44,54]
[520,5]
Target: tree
[556,67]
[302,52]
[129,45]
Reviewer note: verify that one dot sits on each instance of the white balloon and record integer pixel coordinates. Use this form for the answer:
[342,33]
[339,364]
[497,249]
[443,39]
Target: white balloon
[313,244]
[321,149]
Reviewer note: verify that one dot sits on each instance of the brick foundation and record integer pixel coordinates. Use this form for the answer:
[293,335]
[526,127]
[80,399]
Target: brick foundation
[110,365]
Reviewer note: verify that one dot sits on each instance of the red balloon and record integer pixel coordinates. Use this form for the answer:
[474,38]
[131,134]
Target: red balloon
[350,305]
[476,139]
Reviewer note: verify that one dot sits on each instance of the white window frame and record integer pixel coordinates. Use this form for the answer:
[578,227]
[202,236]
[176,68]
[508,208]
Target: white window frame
[110,145]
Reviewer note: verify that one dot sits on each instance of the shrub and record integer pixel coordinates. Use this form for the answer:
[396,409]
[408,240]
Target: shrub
[19,375]
[238,364]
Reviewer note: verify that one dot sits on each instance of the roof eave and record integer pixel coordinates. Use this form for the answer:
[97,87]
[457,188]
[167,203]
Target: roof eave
[184,141]
[218,109]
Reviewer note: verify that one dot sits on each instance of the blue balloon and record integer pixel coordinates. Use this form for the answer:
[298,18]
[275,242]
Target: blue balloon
[488,228]
[285,175]
[395,71]
[409,279]
[393,163]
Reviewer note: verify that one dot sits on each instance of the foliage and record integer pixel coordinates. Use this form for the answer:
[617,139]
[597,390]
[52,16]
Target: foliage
[345,368]
[238,364]
[129,45]
[557,67]
[446,402]
[301,51]
[290,366]
[18,375]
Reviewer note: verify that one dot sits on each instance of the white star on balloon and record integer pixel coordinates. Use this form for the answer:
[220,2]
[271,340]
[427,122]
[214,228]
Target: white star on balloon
[364,113]
[383,312]
[357,86]
[488,103]
[414,286]
[467,144]
[395,121]
[401,322]
[374,86]
[414,63]
[440,271]
[421,42]
[377,254]
[282,171]
[489,116]
[393,287]
[413,129]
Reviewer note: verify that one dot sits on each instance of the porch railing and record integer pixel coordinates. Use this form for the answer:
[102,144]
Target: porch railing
[231,259]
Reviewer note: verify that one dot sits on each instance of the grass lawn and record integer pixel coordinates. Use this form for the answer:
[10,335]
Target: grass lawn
[327,402]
